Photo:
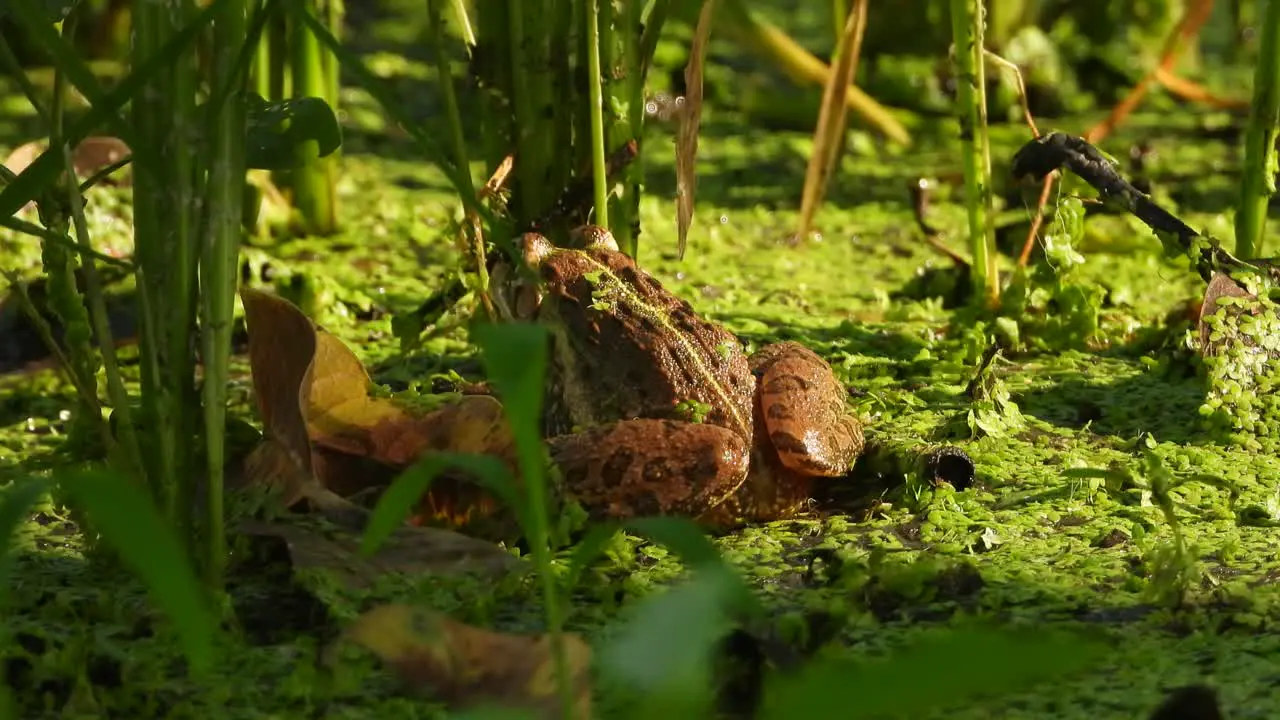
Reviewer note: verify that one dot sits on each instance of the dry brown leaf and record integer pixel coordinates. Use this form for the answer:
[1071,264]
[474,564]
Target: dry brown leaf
[91,155]
[327,439]
[466,666]
[828,137]
[690,120]
[1220,285]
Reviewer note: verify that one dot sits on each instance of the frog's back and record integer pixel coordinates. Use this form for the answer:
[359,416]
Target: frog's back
[629,348]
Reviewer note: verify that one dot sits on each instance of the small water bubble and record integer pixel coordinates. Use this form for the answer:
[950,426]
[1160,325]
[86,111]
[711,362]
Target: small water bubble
[64,415]
[724,219]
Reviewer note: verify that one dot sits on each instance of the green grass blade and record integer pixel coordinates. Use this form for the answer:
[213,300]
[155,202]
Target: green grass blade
[401,497]
[515,358]
[128,520]
[665,648]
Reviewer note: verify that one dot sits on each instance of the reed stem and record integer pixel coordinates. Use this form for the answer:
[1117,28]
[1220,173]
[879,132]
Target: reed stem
[594,81]
[967,32]
[1258,182]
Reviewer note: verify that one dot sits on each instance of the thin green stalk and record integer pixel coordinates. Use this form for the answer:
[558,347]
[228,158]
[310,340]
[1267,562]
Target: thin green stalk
[22,226]
[219,267]
[531,91]
[452,112]
[65,298]
[17,72]
[464,23]
[278,54]
[164,112]
[636,64]
[967,29]
[262,61]
[461,158]
[653,24]
[564,113]
[1258,183]
[127,451]
[130,448]
[311,179]
[839,15]
[600,184]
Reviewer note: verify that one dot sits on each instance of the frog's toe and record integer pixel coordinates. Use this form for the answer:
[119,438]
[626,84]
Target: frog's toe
[651,467]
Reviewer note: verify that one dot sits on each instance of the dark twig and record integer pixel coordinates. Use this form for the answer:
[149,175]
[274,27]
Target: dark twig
[1043,155]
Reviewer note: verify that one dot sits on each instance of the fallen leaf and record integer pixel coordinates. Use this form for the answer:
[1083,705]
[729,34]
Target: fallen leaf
[327,438]
[1220,285]
[409,551]
[466,666]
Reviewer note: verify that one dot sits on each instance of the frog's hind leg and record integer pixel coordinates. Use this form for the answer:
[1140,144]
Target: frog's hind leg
[801,404]
[647,467]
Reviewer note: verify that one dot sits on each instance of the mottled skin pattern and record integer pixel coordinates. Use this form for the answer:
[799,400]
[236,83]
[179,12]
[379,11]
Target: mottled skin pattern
[626,353]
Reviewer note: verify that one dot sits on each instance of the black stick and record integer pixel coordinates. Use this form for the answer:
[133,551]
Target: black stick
[1058,150]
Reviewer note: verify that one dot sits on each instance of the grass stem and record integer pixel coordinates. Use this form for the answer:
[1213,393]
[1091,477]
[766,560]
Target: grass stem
[594,84]
[967,32]
[1258,183]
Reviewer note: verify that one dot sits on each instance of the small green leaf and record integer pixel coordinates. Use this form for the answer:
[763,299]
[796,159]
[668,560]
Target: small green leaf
[18,500]
[127,519]
[400,499]
[277,130]
[664,648]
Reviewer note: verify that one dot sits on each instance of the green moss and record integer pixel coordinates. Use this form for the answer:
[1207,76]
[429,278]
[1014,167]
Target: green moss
[1033,542]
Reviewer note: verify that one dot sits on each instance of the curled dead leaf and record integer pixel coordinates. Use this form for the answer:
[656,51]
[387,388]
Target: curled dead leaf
[326,438]
[466,666]
[1220,285]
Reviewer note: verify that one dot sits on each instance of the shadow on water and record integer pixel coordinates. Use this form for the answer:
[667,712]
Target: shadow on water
[1165,404]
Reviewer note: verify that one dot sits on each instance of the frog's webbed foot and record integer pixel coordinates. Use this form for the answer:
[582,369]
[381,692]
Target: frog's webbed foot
[648,467]
[801,404]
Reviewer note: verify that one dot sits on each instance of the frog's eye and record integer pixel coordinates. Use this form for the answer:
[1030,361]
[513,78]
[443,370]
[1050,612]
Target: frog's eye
[594,237]
[535,248]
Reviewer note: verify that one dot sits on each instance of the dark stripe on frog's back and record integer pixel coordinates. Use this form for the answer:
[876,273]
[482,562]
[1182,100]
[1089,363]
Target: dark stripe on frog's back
[649,378]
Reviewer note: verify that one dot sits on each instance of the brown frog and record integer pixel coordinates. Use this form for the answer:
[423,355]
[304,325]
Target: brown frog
[652,409]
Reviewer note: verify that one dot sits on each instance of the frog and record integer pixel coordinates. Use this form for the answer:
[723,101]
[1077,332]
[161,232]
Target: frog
[652,409]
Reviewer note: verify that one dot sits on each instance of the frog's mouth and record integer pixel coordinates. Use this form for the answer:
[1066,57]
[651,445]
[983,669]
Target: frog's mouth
[515,295]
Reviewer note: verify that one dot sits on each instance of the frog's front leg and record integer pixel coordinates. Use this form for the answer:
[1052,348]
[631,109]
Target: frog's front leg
[647,467]
[801,405]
